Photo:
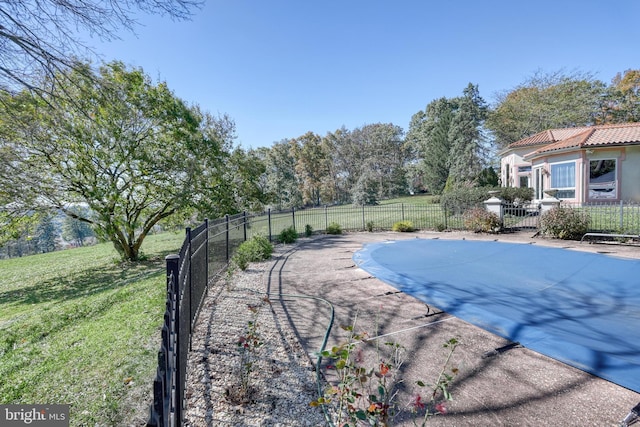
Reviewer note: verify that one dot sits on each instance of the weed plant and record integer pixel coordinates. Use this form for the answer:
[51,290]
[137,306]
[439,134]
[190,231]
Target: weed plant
[248,345]
[365,392]
[308,230]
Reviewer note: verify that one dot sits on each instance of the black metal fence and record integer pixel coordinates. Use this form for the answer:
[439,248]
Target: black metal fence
[186,284]
[611,217]
[207,249]
[520,216]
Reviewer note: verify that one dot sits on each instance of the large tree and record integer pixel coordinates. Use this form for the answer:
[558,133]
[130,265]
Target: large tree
[380,155]
[345,163]
[467,143]
[622,103]
[312,166]
[41,37]
[546,101]
[125,147]
[448,141]
[281,183]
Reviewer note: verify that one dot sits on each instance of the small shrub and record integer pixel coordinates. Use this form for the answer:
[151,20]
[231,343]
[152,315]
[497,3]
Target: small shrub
[456,202]
[366,390]
[334,228]
[440,227]
[514,194]
[564,223]
[288,235]
[248,344]
[480,220]
[266,248]
[369,226]
[403,226]
[258,248]
[308,230]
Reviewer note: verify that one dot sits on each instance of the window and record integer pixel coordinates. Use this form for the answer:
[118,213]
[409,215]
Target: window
[524,176]
[538,182]
[563,179]
[507,175]
[603,179]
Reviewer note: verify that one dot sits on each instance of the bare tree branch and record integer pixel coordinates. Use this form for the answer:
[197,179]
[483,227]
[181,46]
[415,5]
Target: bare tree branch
[40,38]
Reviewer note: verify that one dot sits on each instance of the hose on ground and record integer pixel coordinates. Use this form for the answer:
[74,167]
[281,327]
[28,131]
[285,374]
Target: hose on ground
[325,339]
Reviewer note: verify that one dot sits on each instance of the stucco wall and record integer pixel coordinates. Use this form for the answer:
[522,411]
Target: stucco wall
[630,171]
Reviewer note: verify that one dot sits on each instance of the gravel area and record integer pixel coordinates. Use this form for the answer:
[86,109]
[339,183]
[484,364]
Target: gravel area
[517,387]
[281,381]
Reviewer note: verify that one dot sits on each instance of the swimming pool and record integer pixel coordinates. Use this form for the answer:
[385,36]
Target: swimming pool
[580,308]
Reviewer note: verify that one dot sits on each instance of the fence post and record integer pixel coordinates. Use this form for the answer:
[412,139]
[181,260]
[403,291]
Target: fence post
[190,285]
[293,216]
[244,220]
[446,220]
[402,205]
[363,224]
[206,252]
[269,221]
[326,218]
[494,205]
[173,279]
[226,218]
[622,217]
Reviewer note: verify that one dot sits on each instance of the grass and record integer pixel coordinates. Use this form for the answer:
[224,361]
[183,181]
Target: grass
[420,210]
[77,327]
[613,218]
[418,200]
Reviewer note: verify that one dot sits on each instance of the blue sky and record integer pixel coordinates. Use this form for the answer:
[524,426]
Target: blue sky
[281,68]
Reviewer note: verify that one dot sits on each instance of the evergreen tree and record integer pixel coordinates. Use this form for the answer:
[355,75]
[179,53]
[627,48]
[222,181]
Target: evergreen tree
[46,234]
[466,138]
[448,140]
[77,231]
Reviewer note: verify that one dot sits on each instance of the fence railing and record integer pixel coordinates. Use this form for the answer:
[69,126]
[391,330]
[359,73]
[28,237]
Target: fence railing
[613,217]
[187,281]
[207,249]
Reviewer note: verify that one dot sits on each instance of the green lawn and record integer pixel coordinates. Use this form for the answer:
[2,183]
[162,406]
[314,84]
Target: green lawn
[77,327]
[418,200]
[420,210]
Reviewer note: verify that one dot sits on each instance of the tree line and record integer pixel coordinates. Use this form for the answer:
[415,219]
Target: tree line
[120,154]
[117,152]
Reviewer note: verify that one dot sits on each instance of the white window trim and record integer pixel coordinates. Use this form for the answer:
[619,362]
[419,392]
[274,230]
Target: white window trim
[575,179]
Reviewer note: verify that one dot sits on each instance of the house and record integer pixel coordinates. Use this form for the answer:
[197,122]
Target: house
[580,164]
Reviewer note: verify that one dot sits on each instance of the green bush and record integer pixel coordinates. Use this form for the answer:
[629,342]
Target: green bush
[440,227]
[564,223]
[511,194]
[369,226]
[308,230]
[334,228]
[480,220]
[458,201]
[288,235]
[258,248]
[403,226]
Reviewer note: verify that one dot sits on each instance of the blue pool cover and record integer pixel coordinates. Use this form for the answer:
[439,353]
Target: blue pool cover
[580,308]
